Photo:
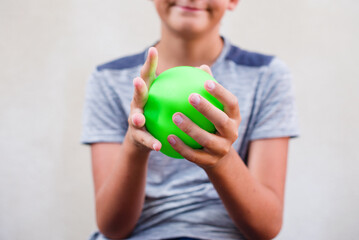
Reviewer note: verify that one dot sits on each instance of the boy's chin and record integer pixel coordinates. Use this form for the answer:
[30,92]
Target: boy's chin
[190,30]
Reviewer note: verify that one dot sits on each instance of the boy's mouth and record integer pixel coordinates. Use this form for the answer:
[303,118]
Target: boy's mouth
[188,7]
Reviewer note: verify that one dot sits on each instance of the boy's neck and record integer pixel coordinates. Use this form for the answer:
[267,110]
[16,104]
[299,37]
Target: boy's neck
[174,50]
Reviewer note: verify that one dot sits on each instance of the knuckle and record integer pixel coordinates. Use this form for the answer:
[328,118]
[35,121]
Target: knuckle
[187,128]
[212,144]
[228,147]
[224,149]
[235,134]
[142,140]
[194,158]
[212,162]
[221,151]
[233,102]
[223,123]
[205,107]
[208,142]
[179,148]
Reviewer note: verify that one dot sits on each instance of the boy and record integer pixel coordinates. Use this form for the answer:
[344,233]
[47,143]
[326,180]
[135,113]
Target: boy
[233,188]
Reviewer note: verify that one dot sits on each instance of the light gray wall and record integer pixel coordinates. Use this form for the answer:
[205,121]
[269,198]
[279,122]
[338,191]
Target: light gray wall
[49,48]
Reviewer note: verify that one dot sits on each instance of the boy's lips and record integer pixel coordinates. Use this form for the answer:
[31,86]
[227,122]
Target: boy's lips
[189,7]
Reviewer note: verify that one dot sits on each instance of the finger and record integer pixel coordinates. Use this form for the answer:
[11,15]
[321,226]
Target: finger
[137,119]
[206,68]
[209,141]
[148,70]
[147,140]
[215,115]
[140,93]
[199,157]
[229,101]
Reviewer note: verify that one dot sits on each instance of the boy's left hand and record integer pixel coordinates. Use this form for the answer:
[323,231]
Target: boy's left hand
[217,145]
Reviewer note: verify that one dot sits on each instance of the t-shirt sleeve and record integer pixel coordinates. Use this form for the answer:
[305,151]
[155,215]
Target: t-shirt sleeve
[104,118]
[276,112]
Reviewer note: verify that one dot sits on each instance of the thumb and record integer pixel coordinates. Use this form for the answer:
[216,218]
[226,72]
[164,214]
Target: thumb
[148,70]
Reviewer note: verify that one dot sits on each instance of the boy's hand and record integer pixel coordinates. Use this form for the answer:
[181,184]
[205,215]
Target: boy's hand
[137,132]
[215,146]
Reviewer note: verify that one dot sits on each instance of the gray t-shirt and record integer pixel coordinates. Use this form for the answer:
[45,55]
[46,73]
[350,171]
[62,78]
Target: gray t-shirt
[180,199]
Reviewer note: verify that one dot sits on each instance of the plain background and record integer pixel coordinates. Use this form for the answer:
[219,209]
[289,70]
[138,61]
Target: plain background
[49,48]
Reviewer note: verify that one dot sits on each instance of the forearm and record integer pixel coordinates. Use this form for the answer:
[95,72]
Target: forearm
[120,199]
[255,209]
[120,170]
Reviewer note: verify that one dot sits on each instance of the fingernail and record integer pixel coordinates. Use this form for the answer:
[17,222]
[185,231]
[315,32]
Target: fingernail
[137,82]
[171,140]
[134,120]
[178,119]
[195,99]
[155,147]
[210,85]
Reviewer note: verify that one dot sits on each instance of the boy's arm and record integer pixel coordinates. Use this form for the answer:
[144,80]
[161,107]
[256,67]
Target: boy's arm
[119,170]
[253,195]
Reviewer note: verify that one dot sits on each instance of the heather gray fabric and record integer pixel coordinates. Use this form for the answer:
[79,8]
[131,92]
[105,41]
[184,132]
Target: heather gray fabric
[180,200]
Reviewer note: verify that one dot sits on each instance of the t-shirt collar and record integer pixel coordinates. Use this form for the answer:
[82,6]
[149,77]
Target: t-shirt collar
[220,58]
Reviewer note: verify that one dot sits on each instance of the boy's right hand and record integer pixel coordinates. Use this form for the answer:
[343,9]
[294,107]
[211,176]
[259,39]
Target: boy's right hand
[137,132]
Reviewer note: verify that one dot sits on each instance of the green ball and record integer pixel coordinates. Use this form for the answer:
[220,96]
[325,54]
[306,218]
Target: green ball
[169,94]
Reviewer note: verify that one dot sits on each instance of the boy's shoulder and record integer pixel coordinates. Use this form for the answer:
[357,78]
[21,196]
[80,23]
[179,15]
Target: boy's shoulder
[247,58]
[125,62]
[254,60]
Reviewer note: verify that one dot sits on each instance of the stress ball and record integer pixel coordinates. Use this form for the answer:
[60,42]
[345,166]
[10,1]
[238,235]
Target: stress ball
[169,94]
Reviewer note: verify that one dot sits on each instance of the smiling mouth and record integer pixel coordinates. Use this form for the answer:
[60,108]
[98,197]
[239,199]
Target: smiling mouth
[191,9]
[188,8]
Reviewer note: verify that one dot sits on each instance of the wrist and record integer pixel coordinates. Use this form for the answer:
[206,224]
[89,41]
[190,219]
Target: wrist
[221,167]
